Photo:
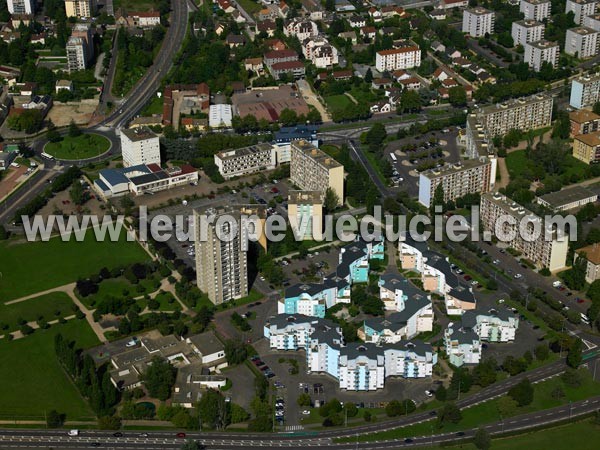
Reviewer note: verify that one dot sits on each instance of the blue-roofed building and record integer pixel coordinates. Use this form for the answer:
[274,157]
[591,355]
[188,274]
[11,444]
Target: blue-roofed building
[286,135]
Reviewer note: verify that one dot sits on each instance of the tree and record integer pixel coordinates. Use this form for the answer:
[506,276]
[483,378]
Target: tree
[159,378]
[485,373]
[596,107]
[542,352]
[368,76]
[482,439]
[190,444]
[235,352]
[522,392]
[507,407]
[449,413]
[562,126]
[3,233]
[410,101]
[288,117]
[438,198]
[54,419]
[77,193]
[238,414]
[304,400]
[109,423]
[393,408]
[29,121]
[74,130]
[213,410]
[457,96]
[441,393]
[331,201]
[574,357]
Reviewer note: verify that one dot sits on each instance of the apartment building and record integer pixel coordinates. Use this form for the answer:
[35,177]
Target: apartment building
[305,214]
[221,260]
[286,135]
[398,58]
[458,179]
[585,91]
[478,141]
[591,253]
[524,31]
[581,42]
[300,28]
[518,229]
[21,6]
[409,359]
[535,9]
[320,52]
[584,121]
[313,170]
[586,147]
[478,21]
[581,9]
[80,8]
[494,325]
[539,52]
[246,160]
[592,21]
[362,367]
[85,32]
[462,345]
[139,146]
[526,113]
[76,54]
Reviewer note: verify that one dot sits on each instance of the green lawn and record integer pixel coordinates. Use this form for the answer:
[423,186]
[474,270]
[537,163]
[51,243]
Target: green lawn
[81,147]
[488,412]
[338,102]
[154,107]
[50,307]
[33,267]
[136,5]
[250,6]
[517,163]
[31,380]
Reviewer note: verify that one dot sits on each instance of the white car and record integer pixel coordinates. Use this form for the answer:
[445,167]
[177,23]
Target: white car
[429,393]
[518,275]
[73,433]
[306,412]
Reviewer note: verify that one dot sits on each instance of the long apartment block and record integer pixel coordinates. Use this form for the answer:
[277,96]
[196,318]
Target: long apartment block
[550,253]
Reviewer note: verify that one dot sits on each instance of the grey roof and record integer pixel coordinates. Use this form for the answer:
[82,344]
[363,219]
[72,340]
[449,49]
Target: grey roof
[288,134]
[393,281]
[462,293]
[352,252]
[397,320]
[149,178]
[356,349]
[416,345]
[118,176]
[566,196]
[138,134]
[207,343]
[469,318]
[304,288]
[462,336]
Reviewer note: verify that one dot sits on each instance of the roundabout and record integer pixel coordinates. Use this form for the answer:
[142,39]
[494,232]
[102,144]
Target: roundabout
[78,148]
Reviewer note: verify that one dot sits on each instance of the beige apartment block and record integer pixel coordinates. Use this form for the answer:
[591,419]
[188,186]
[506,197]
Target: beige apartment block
[586,147]
[305,213]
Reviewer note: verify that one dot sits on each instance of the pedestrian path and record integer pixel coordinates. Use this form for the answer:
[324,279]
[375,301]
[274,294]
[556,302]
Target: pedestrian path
[294,428]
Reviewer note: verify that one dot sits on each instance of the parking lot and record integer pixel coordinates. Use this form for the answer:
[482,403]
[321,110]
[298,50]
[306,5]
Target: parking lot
[405,173]
[325,260]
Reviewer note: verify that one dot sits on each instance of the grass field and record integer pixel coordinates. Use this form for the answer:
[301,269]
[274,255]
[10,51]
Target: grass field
[32,267]
[118,287]
[81,147]
[154,107]
[136,5]
[517,163]
[338,102]
[488,412]
[31,380]
[50,307]
[250,6]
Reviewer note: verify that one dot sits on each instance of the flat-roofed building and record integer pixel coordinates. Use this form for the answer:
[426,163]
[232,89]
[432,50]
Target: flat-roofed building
[247,160]
[80,8]
[592,21]
[585,91]
[466,177]
[525,113]
[524,31]
[539,52]
[221,263]
[312,169]
[305,214]
[139,146]
[581,9]
[518,227]
[568,198]
[535,9]
[581,42]
[584,121]
[591,253]
[478,21]
[586,147]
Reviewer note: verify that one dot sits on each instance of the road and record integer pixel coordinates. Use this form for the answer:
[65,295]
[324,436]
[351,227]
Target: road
[147,86]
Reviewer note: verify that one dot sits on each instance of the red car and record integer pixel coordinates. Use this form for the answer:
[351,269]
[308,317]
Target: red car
[579,300]
[181,435]
[274,190]
[468,278]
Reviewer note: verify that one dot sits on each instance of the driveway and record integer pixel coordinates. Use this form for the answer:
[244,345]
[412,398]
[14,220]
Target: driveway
[311,98]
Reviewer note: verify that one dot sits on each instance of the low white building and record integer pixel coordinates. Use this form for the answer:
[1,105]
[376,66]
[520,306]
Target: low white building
[246,160]
[220,116]
[405,57]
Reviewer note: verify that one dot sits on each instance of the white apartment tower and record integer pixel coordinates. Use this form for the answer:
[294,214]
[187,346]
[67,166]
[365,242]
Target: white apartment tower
[478,21]
[139,146]
[581,9]
[539,52]
[524,31]
[535,9]
[585,91]
[221,262]
[581,42]
[21,6]
[592,22]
